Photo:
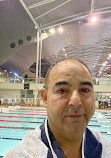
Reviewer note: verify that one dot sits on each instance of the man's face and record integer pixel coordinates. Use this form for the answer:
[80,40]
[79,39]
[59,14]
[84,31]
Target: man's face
[70,97]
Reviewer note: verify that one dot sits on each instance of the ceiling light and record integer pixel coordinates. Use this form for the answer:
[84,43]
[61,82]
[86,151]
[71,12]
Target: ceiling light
[104,63]
[15,74]
[93,19]
[44,34]
[60,29]
[52,30]
[109,55]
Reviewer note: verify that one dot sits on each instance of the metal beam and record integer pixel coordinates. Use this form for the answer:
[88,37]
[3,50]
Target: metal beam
[80,17]
[52,9]
[103,12]
[65,22]
[40,56]
[29,13]
[103,8]
[92,5]
[37,56]
[40,3]
[102,46]
[72,16]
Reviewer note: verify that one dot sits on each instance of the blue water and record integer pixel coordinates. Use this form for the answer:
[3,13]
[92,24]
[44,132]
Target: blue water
[9,137]
[6,145]
[101,121]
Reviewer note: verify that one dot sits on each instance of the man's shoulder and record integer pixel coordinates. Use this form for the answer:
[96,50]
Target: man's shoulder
[100,137]
[30,144]
[106,144]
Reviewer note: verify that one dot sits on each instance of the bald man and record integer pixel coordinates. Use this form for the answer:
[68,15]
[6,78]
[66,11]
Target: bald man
[69,98]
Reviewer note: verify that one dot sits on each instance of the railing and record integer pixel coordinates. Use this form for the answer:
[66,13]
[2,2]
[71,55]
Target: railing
[21,101]
[28,80]
[21,80]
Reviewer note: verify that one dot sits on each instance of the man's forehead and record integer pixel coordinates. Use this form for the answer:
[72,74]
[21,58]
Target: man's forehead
[67,65]
[69,69]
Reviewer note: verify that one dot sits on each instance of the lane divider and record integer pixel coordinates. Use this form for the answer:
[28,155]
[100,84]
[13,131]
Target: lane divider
[95,125]
[102,117]
[21,121]
[11,138]
[20,113]
[33,109]
[28,112]
[100,126]
[17,127]
[106,133]
[24,117]
[99,121]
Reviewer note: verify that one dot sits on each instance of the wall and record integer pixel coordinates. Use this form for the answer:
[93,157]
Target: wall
[9,93]
[4,79]
[19,86]
[102,88]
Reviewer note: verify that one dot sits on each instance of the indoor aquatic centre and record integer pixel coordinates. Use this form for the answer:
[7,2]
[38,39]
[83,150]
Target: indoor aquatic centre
[35,35]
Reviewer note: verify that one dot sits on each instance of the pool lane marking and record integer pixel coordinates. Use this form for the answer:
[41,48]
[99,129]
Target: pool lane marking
[24,117]
[100,126]
[40,112]
[102,117]
[17,127]
[99,121]
[11,138]
[32,109]
[21,113]
[21,121]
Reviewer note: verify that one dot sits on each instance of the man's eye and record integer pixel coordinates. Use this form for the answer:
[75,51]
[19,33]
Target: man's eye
[85,90]
[62,91]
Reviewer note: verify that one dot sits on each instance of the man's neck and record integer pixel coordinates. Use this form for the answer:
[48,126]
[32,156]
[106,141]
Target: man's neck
[71,143]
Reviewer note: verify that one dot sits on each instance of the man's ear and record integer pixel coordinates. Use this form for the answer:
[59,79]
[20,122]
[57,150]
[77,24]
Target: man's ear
[44,97]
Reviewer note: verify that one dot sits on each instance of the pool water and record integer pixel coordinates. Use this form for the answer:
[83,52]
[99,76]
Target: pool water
[101,121]
[15,124]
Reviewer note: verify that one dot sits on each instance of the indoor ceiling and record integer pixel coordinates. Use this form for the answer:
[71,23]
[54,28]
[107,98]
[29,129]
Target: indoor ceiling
[80,38]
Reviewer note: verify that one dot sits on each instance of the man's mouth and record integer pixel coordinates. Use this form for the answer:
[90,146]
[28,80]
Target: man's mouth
[75,115]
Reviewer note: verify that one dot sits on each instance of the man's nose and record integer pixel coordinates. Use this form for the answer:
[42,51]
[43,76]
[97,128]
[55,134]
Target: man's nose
[75,99]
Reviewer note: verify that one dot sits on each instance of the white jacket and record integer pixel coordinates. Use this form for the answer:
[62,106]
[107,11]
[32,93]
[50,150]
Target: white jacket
[36,145]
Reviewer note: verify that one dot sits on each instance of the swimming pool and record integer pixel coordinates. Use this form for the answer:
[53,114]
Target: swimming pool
[101,121]
[15,124]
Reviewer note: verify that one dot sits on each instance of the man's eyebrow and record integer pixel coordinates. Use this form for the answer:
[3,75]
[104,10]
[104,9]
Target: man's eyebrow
[86,83]
[62,83]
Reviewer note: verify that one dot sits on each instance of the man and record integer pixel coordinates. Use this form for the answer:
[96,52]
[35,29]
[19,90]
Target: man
[70,101]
